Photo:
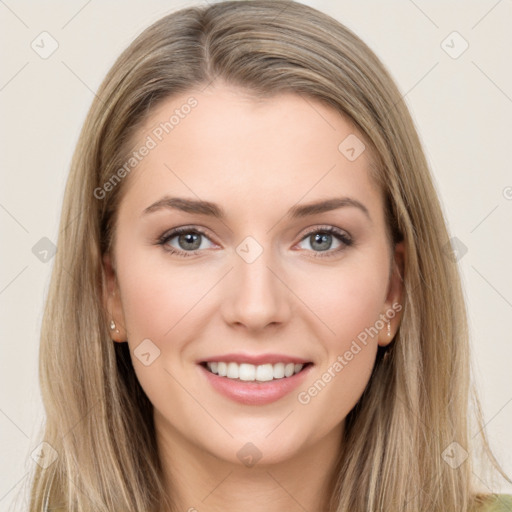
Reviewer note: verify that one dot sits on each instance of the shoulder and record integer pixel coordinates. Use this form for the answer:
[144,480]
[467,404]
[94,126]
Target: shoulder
[496,503]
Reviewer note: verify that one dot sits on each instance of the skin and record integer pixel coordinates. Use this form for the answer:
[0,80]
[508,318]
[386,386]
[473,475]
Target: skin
[256,159]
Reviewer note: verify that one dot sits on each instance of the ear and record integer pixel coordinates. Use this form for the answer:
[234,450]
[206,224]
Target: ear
[393,306]
[112,301]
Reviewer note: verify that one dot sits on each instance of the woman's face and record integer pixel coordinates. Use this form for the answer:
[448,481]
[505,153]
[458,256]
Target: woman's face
[259,281]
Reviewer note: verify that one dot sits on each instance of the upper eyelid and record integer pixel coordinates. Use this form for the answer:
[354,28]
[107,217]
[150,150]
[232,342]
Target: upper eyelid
[184,229]
[328,228]
[203,231]
[174,232]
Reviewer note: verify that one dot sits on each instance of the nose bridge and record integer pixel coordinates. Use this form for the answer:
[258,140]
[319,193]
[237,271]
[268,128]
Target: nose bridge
[258,297]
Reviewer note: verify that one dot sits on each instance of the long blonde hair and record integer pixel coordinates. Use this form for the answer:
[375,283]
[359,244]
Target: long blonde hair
[99,420]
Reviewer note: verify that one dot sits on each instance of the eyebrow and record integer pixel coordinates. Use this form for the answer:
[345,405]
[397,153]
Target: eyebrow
[214,210]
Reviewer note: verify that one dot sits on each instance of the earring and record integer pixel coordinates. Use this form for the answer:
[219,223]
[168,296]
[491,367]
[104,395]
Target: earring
[389,328]
[113,326]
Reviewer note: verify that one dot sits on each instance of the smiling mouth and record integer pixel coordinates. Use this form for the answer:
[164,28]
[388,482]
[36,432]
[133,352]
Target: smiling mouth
[246,372]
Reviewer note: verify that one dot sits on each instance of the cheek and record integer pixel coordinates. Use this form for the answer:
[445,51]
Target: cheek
[165,303]
[347,300]
[156,296]
[158,304]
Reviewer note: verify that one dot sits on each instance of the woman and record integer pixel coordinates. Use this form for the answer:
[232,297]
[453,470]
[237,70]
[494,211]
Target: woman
[252,305]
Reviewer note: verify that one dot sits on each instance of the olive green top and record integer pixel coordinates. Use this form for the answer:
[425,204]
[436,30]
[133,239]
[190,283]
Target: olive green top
[498,503]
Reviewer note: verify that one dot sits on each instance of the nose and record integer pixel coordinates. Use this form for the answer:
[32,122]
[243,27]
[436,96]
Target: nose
[255,296]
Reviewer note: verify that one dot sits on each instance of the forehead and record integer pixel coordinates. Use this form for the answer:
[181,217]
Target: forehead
[226,146]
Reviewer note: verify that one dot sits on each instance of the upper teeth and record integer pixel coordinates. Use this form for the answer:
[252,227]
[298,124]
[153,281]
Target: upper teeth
[250,372]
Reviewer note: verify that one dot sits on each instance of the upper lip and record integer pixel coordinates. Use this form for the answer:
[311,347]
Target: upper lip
[255,359]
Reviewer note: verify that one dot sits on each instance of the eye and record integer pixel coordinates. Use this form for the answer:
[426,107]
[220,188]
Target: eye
[184,241]
[321,239]
[187,241]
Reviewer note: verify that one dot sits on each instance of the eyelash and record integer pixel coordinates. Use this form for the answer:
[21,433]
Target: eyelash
[331,230]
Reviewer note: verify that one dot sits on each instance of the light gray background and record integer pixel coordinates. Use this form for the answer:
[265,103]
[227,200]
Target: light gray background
[462,108]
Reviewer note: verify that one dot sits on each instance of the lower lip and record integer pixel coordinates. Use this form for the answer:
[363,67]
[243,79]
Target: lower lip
[255,393]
